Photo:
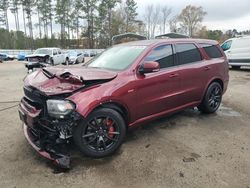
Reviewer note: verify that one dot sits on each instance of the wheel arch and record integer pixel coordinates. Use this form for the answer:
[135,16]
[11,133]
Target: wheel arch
[217,80]
[121,109]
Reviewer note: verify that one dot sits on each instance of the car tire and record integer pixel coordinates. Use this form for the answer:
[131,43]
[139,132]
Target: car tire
[235,67]
[101,133]
[212,99]
[52,61]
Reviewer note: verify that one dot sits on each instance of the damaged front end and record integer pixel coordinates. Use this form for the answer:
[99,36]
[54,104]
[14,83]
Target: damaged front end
[48,115]
[48,131]
[37,61]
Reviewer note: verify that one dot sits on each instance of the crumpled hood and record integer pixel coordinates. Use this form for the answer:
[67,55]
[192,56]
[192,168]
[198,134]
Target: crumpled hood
[60,80]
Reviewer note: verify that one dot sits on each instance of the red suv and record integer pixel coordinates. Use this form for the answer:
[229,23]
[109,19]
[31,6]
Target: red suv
[126,85]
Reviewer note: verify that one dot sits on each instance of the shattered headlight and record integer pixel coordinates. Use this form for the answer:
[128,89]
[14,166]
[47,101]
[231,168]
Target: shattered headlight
[59,108]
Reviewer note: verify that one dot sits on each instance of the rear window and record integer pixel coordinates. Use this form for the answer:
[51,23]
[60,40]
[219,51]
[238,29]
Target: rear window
[187,53]
[211,50]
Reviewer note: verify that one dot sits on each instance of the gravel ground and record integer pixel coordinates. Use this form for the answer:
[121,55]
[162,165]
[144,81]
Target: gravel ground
[188,149]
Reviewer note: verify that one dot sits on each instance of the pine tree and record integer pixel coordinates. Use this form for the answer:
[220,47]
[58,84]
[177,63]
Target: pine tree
[60,14]
[130,12]
[28,7]
[4,5]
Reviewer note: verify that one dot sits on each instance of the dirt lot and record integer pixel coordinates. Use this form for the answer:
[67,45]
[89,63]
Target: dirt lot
[185,150]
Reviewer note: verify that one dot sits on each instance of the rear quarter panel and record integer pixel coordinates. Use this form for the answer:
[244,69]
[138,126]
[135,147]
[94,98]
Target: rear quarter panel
[219,69]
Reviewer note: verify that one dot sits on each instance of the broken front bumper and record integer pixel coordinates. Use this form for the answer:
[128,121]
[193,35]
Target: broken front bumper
[44,141]
[61,160]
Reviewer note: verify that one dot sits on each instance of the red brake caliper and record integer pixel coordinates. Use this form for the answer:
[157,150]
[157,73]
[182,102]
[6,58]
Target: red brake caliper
[110,128]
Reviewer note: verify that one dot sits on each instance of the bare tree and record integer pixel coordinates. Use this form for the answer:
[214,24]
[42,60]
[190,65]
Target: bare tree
[165,11]
[155,19]
[148,17]
[191,17]
[173,24]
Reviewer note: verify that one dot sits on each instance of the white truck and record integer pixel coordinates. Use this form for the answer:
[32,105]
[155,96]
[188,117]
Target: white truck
[237,51]
[45,56]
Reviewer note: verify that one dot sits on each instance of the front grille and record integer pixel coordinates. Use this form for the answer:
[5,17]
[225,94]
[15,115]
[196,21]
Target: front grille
[34,98]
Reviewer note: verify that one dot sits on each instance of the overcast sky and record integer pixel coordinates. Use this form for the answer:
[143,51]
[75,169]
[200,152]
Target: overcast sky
[221,14]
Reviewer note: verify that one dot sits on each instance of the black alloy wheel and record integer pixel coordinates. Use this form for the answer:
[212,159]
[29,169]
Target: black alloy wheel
[212,99]
[101,134]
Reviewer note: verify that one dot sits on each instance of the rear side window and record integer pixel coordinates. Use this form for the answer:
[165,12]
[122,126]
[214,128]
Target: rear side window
[187,53]
[211,50]
[163,55]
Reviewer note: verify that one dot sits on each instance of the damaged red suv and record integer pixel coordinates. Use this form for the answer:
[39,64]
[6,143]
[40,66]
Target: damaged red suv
[128,84]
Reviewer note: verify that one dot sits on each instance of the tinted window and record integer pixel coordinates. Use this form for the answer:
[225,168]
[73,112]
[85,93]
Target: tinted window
[211,50]
[187,53]
[226,45]
[163,55]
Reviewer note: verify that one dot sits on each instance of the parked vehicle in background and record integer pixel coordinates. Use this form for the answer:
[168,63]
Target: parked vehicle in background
[75,57]
[21,56]
[237,51]
[86,54]
[1,60]
[92,54]
[45,56]
[125,86]
[3,57]
[6,57]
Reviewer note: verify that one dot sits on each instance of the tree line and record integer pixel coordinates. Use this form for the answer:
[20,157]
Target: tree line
[93,23]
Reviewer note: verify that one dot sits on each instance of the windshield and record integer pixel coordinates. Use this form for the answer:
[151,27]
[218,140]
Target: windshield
[117,58]
[43,51]
[72,53]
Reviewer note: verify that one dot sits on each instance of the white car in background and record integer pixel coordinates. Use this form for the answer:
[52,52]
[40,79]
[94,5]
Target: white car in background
[45,56]
[237,51]
[75,57]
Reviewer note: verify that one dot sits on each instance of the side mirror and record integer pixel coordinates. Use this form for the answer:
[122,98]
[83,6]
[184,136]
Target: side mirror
[148,67]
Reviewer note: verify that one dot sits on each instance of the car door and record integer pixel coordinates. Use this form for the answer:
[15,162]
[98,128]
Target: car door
[55,57]
[193,72]
[60,56]
[158,91]
[239,53]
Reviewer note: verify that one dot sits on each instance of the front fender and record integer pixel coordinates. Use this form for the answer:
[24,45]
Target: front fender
[89,99]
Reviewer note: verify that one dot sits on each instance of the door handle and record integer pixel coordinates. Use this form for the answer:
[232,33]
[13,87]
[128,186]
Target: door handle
[207,68]
[173,75]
